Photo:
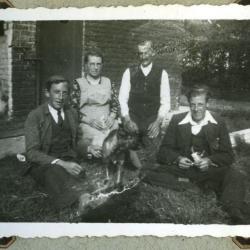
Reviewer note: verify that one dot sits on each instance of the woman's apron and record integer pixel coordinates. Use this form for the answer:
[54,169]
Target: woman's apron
[94,104]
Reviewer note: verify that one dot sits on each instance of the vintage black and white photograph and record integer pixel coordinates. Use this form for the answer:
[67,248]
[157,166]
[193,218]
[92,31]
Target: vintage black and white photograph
[125,121]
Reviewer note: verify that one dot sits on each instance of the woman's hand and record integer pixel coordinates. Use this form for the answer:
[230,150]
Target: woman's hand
[96,151]
[109,121]
[97,124]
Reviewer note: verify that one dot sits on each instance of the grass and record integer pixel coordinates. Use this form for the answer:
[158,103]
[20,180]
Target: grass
[23,201]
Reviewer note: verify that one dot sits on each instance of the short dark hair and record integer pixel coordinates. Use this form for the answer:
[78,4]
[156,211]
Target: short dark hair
[93,52]
[198,90]
[55,79]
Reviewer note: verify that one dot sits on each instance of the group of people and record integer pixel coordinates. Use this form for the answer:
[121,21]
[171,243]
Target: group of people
[196,145]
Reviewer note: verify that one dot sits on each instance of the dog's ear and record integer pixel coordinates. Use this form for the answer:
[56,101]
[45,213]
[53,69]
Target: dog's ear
[110,144]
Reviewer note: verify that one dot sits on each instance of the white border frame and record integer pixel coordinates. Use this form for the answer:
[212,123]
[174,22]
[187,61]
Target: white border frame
[170,12]
[153,12]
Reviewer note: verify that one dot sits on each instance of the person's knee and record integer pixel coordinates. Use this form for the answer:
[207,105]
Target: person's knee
[234,187]
[235,178]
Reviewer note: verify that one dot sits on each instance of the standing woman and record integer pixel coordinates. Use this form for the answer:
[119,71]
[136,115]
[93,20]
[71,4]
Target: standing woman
[95,98]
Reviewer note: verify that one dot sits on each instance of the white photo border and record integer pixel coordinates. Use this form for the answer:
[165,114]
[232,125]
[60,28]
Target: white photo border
[152,12]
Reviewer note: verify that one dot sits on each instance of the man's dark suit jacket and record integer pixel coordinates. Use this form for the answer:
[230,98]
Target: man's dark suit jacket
[38,133]
[177,141]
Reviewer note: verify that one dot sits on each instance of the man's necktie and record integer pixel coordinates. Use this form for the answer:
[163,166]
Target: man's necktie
[60,119]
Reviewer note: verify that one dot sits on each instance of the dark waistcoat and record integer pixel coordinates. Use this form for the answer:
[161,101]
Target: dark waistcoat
[144,96]
[61,139]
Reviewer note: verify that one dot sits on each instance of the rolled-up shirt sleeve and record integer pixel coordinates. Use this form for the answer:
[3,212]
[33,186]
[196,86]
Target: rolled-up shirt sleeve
[164,96]
[124,93]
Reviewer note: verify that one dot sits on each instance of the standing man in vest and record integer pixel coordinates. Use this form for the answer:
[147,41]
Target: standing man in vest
[145,95]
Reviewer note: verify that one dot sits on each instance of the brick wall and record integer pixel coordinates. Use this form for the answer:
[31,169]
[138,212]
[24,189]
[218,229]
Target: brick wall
[112,37]
[24,68]
[5,72]
[118,40]
[4,65]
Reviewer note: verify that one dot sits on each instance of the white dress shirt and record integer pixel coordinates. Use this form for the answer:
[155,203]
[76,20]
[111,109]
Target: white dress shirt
[54,114]
[164,91]
[196,127]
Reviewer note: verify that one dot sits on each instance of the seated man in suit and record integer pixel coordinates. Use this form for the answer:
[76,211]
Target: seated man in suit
[197,148]
[50,133]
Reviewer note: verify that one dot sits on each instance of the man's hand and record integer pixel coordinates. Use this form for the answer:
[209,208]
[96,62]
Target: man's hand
[130,126]
[96,151]
[71,167]
[184,163]
[164,124]
[204,164]
[154,128]
[97,124]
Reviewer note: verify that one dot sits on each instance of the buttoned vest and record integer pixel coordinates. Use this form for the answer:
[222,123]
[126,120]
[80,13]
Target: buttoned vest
[144,96]
[61,138]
